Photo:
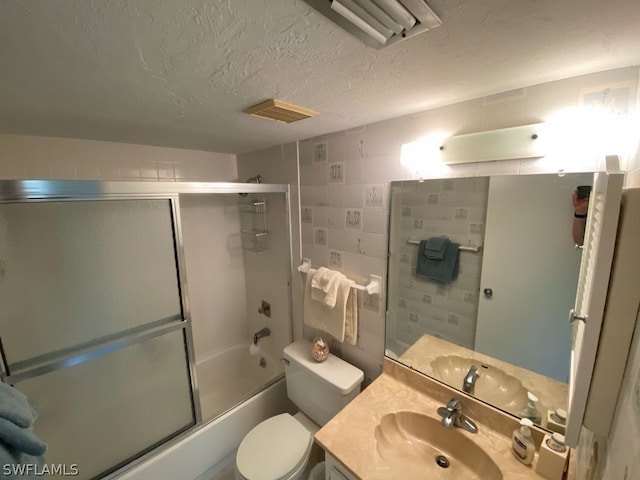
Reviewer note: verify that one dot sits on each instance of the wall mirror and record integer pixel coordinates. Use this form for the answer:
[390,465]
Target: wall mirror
[494,325]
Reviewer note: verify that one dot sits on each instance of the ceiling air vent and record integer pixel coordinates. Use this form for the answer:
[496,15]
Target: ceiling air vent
[280,111]
[379,23]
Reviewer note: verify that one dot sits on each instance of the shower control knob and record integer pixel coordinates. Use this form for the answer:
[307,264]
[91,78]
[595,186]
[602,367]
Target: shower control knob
[265,308]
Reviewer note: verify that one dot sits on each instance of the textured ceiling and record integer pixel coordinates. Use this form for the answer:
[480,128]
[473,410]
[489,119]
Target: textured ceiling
[179,73]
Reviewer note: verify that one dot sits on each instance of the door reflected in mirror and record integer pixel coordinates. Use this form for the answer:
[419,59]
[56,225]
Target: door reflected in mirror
[489,317]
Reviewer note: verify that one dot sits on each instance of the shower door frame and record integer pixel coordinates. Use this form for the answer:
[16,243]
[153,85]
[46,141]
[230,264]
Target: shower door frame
[27,191]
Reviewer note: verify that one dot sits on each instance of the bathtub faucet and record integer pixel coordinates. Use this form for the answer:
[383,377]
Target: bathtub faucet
[265,332]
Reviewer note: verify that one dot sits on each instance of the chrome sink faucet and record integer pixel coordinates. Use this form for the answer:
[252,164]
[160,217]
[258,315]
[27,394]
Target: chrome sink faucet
[452,416]
[469,383]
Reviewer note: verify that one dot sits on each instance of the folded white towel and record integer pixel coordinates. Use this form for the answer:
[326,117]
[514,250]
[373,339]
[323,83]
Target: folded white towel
[324,286]
[341,322]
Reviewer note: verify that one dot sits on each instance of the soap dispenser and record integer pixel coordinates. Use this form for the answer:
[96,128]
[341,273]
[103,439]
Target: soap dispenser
[522,444]
[531,410]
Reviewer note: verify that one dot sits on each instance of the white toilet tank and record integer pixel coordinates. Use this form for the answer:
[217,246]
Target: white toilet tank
[319,389]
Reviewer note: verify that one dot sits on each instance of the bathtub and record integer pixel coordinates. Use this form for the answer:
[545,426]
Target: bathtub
[199,453]
[228,377]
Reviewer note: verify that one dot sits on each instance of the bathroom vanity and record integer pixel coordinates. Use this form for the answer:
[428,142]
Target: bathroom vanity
[391,430]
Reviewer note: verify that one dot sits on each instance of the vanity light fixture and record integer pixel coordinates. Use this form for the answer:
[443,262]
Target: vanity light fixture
[505,144]
[379,23]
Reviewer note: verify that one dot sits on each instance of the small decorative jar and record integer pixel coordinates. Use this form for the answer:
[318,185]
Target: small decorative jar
[319,350]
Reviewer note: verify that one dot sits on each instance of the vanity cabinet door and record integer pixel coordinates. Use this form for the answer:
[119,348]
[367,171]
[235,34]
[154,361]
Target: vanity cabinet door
[335,471]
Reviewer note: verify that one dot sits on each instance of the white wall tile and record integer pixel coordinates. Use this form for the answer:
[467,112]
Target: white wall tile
[320,173]
[337,147]
[633,178]
[375,196]
[461,118]
[109,169]
[61,169]
[166,171]
[335,195]
[149,170]
[375,221]
[355,144]
[354,171]
[306,152]
[306,175]
[88,168]
[504,110]
[307,234]
[335,218]
[383,169]
[354,196]
[321,217]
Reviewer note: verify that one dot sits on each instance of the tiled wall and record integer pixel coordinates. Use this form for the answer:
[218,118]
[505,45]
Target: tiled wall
[456,209]
[23,156]
[341,172]
[269,275]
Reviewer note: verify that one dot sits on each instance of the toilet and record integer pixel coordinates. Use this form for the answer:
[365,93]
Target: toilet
[279,448]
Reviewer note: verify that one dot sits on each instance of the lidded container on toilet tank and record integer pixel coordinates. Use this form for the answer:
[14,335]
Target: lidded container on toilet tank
[319,390]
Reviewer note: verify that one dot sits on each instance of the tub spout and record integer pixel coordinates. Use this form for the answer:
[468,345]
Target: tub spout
[265,332]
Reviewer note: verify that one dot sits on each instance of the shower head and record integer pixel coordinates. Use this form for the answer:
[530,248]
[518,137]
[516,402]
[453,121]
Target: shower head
[256,179]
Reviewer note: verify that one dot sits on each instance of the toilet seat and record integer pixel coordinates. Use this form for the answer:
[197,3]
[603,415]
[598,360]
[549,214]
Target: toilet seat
[274,449]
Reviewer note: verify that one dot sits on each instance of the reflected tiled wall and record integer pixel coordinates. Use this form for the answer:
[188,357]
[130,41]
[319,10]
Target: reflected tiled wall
[456,209]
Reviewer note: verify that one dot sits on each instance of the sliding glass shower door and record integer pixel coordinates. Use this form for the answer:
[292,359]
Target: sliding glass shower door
[93,326]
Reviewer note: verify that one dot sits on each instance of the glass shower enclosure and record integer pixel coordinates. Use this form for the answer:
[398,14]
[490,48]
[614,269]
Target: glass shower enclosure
[95,325]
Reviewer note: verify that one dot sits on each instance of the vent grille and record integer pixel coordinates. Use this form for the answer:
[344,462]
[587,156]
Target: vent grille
[379,23]
[280,111]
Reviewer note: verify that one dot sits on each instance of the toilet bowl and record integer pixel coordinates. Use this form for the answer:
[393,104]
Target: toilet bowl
[280,447]
[277,449]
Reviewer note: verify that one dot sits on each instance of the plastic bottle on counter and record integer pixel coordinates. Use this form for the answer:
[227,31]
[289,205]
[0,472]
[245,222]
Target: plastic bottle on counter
[531,410]
[522,443]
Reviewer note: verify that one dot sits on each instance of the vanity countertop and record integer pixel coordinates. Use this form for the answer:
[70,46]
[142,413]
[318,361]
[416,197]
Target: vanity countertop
[349,436]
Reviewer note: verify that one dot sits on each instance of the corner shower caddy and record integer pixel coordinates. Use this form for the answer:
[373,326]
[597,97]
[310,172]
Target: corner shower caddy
[254,225]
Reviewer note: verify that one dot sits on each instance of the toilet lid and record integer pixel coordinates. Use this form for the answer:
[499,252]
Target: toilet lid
[273,449]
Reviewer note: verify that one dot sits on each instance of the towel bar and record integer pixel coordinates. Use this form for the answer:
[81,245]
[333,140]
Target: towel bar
[474,249]
[372,288]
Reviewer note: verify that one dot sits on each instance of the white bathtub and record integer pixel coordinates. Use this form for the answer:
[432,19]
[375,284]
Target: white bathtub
[213,443]
[224,379]
[228,377]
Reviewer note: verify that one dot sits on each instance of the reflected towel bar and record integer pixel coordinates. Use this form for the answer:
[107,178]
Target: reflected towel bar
[372,288]
[475,249]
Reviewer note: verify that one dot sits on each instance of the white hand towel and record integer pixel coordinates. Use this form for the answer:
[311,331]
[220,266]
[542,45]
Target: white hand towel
[324,286]
[333,320]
